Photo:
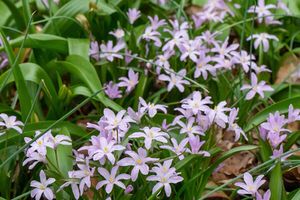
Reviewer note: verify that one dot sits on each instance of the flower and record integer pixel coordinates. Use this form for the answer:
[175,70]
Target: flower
[130,82]
[156,22]
[112,90]
[261,10]
[232,126]
[203,66]
[250,186]
[293,114]
[74,182]
[262,39]
[53,142]
[118,33]
[119,121]
[275,123]
[36,157]
[277,153]
[133,14]
[175,79]
[164,176]
[266,196]
[196,103]
[151,34]
[111,179]
[275,138]
[224,50]
[255,87]
[139,161]
[135,116]
[178,149]
[84,173]
[217,114]
[40,145]
[150,134]
[10,122]
[244,59]
[151,108]
[42,188]
[196,144]
[110,52]
[106,149]
[94,50]
[189,127]
[189,49]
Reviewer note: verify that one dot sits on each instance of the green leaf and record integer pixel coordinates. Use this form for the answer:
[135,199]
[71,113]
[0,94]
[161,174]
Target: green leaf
[79,47]
[281,106]
[104,8]
[85,71]
[24,97]
[297,195]
[276,183]
[65,15]
[41,41]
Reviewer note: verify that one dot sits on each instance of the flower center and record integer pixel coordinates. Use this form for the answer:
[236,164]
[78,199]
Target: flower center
[105,149]
[139,161]
[111,179]
[42,187]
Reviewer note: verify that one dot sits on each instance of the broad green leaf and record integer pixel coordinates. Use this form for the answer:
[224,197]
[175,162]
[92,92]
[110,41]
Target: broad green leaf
[297,195]
[41,41]
[24,97]
[104,8]
[63,19]
[85,71]
[79,47]
[281,106]
[276,183]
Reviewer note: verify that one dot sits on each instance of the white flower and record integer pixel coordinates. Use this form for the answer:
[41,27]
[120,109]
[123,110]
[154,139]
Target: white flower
[41,188]
[10,122]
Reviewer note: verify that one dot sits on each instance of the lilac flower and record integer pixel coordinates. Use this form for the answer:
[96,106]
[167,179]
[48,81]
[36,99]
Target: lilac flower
[42,188]
[260,69]
[151,134]
[262,39]
[178,38]
[217,114]
[156,22]
[283,6]
[10,122]
[118,33]
[189,49]
[128,189]
[94,50]
[112,90]
[266,196]
[139,161]
[84,173]
[53,142]
[195,145]
[233,126]
[106,150]
[74,182]
[250,186]
[293,114]
[178,149]
[263,133]
[261,10]
[196,103]
[276,139]
[275,123]
[111,179]
[256,87]
[278,154]
[40,145]
[164,176]
[153,35]
[189,127]
[133,14]
[244,59]
[224,50]
[130,82]
[136,116]
[151,108]
[162,61]
[175,80]
[110,52]
[34,158]
[203,66]
[119,121]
